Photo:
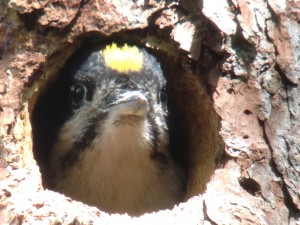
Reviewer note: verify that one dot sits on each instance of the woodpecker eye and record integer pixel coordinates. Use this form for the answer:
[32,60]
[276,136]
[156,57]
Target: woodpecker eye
[78,94]
[163,95]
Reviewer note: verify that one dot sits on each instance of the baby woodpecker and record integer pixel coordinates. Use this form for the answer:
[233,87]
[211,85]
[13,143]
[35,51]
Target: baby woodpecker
[112,150]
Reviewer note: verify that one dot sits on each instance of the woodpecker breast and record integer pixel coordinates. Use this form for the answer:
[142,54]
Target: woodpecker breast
[112,150]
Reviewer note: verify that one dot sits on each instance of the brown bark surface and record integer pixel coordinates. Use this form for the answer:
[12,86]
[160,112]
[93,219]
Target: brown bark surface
[240,85]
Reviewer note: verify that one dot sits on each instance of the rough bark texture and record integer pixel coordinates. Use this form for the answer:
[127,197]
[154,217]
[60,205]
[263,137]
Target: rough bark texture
[241,60]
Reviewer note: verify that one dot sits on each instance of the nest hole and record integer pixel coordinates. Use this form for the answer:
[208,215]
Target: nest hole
[194,131]
[250,185]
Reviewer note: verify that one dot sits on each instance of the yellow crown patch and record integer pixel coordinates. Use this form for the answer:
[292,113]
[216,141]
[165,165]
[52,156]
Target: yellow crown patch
[123,59]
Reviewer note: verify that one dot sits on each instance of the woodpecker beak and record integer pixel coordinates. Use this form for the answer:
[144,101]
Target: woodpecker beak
[131,103]
[127,107]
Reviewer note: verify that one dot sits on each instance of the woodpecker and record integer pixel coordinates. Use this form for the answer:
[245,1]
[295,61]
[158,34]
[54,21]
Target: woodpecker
[112,150]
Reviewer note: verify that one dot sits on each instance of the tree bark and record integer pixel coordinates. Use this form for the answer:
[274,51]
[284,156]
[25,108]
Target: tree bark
[239,93]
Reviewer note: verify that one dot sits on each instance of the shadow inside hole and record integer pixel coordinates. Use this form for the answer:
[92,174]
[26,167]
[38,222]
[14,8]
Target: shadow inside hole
[247,112]
[47,117]
[250,185]
[194,132]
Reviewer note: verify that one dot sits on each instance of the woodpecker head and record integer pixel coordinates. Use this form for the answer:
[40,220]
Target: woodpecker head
[117,90]
[100,132]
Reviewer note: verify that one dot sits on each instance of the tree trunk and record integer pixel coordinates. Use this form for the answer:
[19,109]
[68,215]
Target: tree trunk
[233,74]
